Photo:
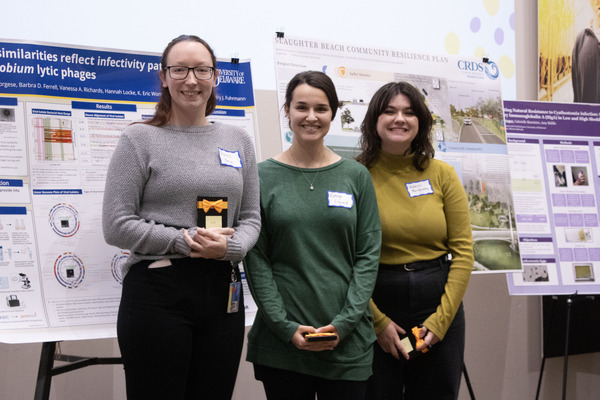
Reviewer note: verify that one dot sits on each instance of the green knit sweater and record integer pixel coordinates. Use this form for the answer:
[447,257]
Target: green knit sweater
[433,222]
[315,263]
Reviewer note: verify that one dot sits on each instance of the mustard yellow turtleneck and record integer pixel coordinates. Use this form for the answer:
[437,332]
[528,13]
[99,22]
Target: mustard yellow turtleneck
[424,227]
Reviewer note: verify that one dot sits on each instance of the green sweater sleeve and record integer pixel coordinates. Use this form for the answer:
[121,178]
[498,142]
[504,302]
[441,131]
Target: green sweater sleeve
[264,290]
[366,264]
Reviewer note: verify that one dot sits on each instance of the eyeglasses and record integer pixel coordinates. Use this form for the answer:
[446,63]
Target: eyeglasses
[180,72]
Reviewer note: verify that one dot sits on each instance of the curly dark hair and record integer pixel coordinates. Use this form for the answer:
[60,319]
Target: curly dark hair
[370,141]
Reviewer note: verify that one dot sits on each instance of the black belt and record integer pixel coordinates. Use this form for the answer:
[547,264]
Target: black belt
[418,265]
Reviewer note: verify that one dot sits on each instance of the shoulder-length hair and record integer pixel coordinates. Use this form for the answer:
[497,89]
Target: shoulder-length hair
[163,107]
[370,141]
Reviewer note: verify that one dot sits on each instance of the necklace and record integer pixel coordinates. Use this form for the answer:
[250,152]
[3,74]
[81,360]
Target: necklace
[311,187]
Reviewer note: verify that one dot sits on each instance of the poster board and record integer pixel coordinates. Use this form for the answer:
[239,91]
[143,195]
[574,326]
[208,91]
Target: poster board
[554,150]
[62,109]
[464,96]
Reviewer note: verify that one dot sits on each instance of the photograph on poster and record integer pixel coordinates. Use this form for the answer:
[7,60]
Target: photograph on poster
[578,235]
[7,115]
[579,175]
[560,176]
[535,273]
[569,51]
[476,112]
[583,272]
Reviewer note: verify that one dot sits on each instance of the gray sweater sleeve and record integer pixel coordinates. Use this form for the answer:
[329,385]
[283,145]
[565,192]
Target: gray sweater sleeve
[122,224]
[247,223]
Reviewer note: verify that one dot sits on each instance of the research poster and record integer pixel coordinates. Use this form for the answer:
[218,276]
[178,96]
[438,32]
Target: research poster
[62,110]
[464,96]
[554,150]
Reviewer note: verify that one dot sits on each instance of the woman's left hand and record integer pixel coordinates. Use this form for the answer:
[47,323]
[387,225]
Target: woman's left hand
[208,243]
[429,338]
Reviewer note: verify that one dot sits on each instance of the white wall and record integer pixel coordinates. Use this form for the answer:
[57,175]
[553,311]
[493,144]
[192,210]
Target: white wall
[245,29]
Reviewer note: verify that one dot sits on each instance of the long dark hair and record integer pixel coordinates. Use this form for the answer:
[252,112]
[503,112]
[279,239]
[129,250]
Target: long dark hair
[370,141]
[163,107]
[317,80]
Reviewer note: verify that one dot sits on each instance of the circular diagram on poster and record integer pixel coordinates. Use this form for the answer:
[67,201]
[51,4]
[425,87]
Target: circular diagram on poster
[116,265]
[69,270]
[64,220]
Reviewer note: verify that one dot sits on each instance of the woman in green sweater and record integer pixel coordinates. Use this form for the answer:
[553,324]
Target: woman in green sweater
[315,263]
[426,252]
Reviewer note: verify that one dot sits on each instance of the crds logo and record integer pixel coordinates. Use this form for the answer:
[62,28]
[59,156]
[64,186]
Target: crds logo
[490,68]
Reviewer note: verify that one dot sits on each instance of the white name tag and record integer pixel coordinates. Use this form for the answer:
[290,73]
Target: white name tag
[339,199]
[419,188]
[231,158]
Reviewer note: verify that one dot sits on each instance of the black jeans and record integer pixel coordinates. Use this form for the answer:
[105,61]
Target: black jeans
[281,384]
[176,338]
[408,298]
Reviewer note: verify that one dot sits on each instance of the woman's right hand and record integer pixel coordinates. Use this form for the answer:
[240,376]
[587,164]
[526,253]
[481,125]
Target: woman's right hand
[208,243]
[389,340]
[301,343]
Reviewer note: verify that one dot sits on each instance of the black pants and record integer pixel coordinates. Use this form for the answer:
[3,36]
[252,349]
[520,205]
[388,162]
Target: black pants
[408,298]
[176,338]
[289,385]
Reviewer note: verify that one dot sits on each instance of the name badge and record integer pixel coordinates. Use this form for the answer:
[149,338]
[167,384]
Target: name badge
[420,188]
[339,199]
[230,158]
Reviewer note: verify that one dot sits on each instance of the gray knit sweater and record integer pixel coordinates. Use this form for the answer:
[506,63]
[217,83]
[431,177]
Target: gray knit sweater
[155,177]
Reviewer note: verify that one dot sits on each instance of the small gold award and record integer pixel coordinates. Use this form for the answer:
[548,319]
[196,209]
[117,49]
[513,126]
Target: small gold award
[212,212]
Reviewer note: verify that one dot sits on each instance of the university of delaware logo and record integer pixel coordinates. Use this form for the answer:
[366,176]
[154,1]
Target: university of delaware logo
[341,71]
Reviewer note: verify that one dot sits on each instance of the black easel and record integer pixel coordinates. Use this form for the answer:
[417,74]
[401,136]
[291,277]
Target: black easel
[47,369]
[468,382]
[571,299]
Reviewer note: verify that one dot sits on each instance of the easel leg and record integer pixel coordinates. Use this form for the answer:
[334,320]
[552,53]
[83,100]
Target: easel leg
[44,379]
[468,382]
[566,362]
[537,393]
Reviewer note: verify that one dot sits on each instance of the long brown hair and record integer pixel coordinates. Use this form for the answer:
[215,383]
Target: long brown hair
[370,141]
[163,107]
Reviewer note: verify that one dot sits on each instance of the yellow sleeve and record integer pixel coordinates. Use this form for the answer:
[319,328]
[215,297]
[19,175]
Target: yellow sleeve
[380,320]
[460,246]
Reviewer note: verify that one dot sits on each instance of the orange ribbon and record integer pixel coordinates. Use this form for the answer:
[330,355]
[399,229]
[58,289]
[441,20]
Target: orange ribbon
[416,331]
[218,205]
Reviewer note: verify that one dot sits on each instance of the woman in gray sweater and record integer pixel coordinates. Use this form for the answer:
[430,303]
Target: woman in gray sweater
[180,334]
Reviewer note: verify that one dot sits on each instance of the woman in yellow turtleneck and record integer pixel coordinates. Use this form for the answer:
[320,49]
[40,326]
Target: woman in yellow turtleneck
[426,254]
